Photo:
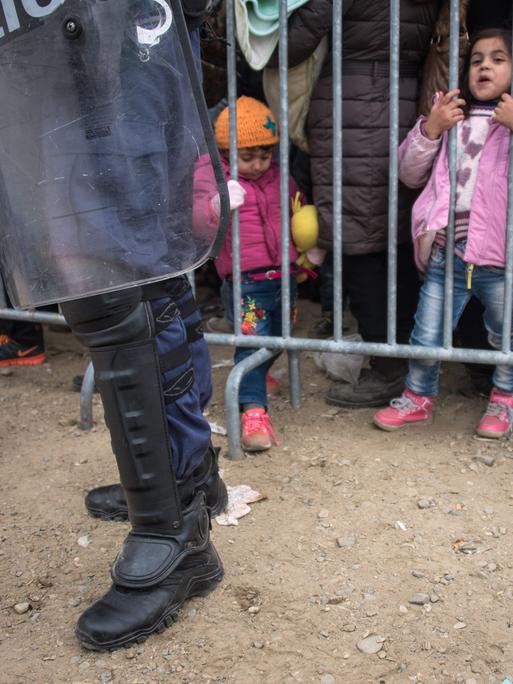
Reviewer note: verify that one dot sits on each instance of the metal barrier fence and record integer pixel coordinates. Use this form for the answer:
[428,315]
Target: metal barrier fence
[271,345]
[267,347]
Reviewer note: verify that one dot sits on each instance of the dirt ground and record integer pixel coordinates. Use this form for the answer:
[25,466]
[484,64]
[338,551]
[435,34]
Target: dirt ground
[356,525]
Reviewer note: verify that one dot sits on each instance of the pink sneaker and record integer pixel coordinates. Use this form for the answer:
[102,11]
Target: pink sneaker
[408,409]
[257,430]
[498,418]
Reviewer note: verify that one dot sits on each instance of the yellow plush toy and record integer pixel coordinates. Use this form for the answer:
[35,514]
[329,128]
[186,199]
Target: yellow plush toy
[304,227]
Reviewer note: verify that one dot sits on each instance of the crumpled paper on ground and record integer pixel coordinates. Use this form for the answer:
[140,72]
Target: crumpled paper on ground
[238,499]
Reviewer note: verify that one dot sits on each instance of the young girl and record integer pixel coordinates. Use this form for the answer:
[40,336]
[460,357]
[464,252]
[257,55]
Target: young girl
[257,193]
[484,121]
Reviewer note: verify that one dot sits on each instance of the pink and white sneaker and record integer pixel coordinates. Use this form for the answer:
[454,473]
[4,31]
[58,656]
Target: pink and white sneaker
[497,421]
[257,430]
[408,409]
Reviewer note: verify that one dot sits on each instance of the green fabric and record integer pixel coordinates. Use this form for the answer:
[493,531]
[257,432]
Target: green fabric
[263,15]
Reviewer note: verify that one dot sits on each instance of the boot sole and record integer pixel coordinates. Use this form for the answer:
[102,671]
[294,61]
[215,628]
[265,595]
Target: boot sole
[199,586]
[393,428]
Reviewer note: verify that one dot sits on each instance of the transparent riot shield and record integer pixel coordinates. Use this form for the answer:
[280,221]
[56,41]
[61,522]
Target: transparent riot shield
[107,161]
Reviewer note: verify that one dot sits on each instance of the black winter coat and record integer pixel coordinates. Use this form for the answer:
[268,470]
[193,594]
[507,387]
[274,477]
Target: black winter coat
[365,113]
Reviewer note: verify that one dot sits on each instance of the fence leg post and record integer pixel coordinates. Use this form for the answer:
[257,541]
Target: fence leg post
[86,398]
[294,378]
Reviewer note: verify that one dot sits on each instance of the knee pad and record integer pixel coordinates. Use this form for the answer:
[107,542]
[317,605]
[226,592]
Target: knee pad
[109,319]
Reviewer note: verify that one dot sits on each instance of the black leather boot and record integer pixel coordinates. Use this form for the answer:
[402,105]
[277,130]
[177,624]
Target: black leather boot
[129,616]
[376,386]
[153,576]
[109,502]
[167,557]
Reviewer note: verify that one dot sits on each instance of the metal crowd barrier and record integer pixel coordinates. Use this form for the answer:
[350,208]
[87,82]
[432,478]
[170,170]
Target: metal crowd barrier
[86,392]
[267,347]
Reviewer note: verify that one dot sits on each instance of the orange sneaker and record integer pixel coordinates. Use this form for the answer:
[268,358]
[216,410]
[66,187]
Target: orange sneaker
[257,430]
[14,354]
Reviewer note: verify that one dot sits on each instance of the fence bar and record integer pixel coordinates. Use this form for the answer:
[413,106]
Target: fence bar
[231,398]
[337,171]
[453,141]
[86,398]
[284,197]
[33,316]
[336,39]
[284,170]
[231,64]
[191,277]
[508,274]
[3,296]
[294,378]
[392,173]
[404,351]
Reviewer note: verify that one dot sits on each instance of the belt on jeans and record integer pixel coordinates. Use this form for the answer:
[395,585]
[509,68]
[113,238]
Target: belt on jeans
[263,273]
[273,273]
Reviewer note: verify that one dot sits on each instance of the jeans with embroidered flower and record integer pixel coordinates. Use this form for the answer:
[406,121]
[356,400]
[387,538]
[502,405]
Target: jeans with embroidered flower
[260,312]
[487,284]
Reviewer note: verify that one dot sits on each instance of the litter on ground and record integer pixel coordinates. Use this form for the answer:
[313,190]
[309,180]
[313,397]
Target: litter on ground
[238,499]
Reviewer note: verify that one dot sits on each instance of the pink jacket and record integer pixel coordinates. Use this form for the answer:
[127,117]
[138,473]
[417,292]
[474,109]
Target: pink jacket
[424,162]
[260,237]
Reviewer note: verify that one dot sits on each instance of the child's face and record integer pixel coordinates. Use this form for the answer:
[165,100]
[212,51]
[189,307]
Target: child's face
[253,162]
[490,69]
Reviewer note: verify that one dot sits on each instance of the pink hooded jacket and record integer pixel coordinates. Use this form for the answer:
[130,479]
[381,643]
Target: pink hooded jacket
[260,236]
[424,162]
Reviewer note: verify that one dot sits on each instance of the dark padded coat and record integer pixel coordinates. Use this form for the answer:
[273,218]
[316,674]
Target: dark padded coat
[365,111]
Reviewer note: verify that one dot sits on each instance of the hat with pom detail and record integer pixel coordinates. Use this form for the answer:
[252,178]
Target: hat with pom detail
[256,125]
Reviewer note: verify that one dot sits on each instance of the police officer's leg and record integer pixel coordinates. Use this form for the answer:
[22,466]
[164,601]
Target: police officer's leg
[167,557]
[109,502]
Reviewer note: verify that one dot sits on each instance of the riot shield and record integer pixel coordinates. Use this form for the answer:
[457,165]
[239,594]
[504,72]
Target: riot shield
[107,161]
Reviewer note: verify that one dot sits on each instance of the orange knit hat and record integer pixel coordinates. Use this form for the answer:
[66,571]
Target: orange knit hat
[256,125]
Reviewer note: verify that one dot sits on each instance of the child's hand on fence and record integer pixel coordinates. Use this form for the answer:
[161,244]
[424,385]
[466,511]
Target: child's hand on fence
[445,113]
[237,194]
[503,113]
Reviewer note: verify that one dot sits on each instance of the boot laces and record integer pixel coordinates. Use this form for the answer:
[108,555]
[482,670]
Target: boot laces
[254,422]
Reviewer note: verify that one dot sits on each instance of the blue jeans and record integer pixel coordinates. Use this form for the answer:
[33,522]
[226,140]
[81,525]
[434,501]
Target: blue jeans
[487,285]
[260,313]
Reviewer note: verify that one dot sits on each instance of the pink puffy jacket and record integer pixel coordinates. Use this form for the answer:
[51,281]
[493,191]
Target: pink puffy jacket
[260,237]
[424,162]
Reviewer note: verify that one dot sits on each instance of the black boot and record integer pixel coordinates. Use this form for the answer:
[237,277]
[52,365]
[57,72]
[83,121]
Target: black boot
[167,557]
[376,385]
[109,502]
[153,576]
